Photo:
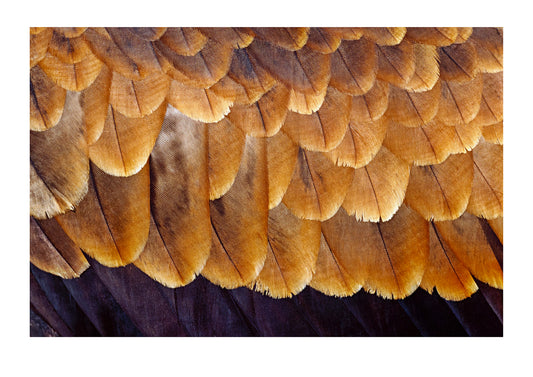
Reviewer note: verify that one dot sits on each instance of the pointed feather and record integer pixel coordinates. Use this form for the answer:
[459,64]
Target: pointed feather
[466,238]
[111,223]
[77,76]
[378,189]
[322,40]
[426,68]
[360,144]
[179,240]
[39,45]
[292,253]
[323,130]
[59,166]
[441,192]
[68,50]
[437,36]
[385,36]
[46,101]
[491,109]
[52,251]
[317,187]
[458,62]
[497,227]
[487,188]
[445,271]
[282,155]
[289,38]
[493,133]
[265,117]
[137,99]
[354,67]
[489,48]
[306,103]
[396,64]
[226,145]
[371,105]
[186,41]
[94,102]
[125,144]
[413,109]
[148,33]
[460,102]
[240,222]
[237,38]
[71,32]
[305,70]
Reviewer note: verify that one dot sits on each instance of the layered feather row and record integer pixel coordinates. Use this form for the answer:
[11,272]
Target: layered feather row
[273,158]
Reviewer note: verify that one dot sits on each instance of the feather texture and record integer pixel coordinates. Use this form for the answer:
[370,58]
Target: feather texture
[396,64]
[427,70]
[493,133]
[68,50]
[39,45]
[437,36]
[290,38]
[458,62]
[76,76]
[489,48]
[282,155]
[322,40]
[46,101]
[236,37]
[186,41]
[372,105]
[306,103]
[385,36]
[491,108]
[460,102]
[94,102]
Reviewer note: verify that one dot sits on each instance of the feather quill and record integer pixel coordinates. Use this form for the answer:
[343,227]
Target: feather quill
[77,76]
[384,36]
[489,48]
[289,38]
[322,40]
[186,41]
[491,108]
[282,155]
[237,38]
[46,101]
[94,102]
[460,102]
[437,36]
[396,64]
[68,50]
[372,105]
[458,62]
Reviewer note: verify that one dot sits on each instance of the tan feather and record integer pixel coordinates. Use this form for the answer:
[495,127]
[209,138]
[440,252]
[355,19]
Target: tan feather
[111,223]
[441,192]
[487,188]
[137,99]
[378,189]
[148,33]
[240,221]
[463,34]
[413,109]
[289,38]
[318,187]
[346,33]
[226,145]
[354,67]
[265,117]
[460,102]
[371,105]
[125,144]
[199,104]
[489,47]
[466,238]
[46,101]
[186,41]
[71,32]
[52,251]
[306,103]
[427,69]
[491,108]
[59,166]
[497,226]
[322,40]
[384,36]
[237,38]
[396,64]
[77,76]
[445,271]
[437,36]
[325,129]
[282,155]
[466,137]
[94,102]
[39,45]
[68,50]
[179,240]
[37,30]
[493,133]
[458,62]
[292,253]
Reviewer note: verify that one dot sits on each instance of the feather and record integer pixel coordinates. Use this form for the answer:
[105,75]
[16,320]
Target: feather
[240,222]
[148,33]
[466,137]
[125,144]
[94,102]
[487,189]
[68,50]
[289,38]
[384,36]
[304,70]
[323,130]
[466,238]
[413,109]
[497,227]
[489,47]
[445,271]
[306,103]
[238,38]
[52,251]
[463,33]
[46,101]
[371,105]
[111,223]
[37,30]
[137,99]
[71,32]
[360,144]
[437,36]
[186,41]
[322,40]
[346,33]
[441,192]
[39,45]
[491,108]
[59,166]
[458,62]
[460,102]
[493,133]
[378,189]
[77,76]
[199,104]
[354,67]
[282,155]
[226,145]
[265,117]
[396,64]
[427,69]
[318,187]
[292,253]
[179,240]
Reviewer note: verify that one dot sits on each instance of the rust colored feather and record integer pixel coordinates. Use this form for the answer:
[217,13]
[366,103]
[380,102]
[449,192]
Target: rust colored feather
[186,41]
[487,188]
[396,64]
[282,155]
[125,144]
[75,77]
[59,166]
[493,133]
[458,62]
[253,78]
[378,189]
[265,117]
[71,32]
[68,50]
[179,240]
[39,45]
[489,47]
[437,36]
[226,145]
[240,221]
[292,253]
[289,38]
[371,105]
[111,223]
[46,101]
[325,129]
[384,36]
[427,69]
[460,102]
[94,102]
[306,103]
[354,67]
[237,38]
[491,108]
[322,40]
[445,272]
[463,34]
[52,251]
[148,33]
[497,226]
[346,33]
[318,187]
[441,192]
